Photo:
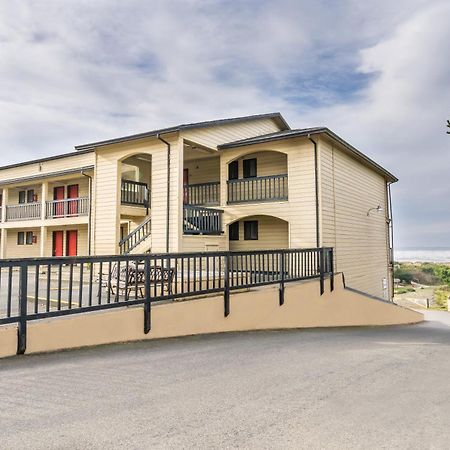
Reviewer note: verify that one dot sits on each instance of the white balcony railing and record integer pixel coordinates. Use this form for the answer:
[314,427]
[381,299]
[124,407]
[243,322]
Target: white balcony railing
[71,207]
[26,211]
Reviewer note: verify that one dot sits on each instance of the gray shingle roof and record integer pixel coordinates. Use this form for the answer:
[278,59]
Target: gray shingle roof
[276,116]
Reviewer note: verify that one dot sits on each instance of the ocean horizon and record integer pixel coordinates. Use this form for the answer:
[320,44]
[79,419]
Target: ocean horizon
[422,254]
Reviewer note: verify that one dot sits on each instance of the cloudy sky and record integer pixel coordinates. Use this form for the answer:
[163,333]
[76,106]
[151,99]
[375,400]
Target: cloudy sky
[375,72]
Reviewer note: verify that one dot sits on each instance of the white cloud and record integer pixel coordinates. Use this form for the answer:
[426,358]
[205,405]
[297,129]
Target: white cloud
[78,71]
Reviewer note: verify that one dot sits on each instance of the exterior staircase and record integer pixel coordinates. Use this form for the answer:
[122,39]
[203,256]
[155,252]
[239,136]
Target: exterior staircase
[138,241]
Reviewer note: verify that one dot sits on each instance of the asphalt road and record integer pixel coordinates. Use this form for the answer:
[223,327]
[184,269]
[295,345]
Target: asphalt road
[366,388]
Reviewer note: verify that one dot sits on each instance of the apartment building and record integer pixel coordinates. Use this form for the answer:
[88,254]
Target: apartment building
[234,184]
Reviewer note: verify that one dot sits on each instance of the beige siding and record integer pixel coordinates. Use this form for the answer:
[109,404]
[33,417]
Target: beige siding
[273,233]
[204,244]
[46,167]
[299,211]
[348,190]
[22,251]
[107,216]
[221,134]
[82,247]
[267,163]
[203,170]
[83,186]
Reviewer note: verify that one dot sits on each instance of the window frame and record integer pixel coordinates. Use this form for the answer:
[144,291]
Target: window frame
[22,197]
[30,196]
[29,237]
[250,168]
[21,238]
[233,231]
[233,170]
[251,230]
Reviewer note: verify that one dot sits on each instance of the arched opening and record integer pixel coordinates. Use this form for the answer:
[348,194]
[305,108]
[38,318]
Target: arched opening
[136,180]
[258,232]
[258,176]
[135,197]
[201,176]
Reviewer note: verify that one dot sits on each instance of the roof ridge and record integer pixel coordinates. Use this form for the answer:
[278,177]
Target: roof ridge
[207,123]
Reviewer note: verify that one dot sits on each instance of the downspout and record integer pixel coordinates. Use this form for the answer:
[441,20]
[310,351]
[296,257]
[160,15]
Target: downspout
[316,180]
[391,237]
[89,213]
[168,191]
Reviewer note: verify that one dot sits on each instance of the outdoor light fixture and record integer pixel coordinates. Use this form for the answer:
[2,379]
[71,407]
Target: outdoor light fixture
[377,209]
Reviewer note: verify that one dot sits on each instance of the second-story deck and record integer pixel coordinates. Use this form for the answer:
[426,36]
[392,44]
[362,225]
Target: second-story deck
[258,189]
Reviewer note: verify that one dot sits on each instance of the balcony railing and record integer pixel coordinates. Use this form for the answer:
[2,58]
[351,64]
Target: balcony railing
[198,220]
[25,211]
[258,189]
[135,193]
[202,193]
[72,207]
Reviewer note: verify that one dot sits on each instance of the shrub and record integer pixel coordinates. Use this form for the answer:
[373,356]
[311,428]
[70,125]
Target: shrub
[441,297]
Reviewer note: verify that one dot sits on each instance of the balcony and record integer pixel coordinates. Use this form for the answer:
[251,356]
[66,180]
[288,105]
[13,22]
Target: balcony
[258,189]
[134,193]
[25,211]
[72,207]
[205,194]
[204,221]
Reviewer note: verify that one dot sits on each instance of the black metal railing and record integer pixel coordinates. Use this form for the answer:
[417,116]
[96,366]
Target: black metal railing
[140,234]
[202,194]
[199,220]
[135,193]
[258,189]
[32,289]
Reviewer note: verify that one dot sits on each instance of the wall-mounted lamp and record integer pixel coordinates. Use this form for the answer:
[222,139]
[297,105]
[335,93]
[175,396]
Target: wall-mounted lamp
[377,209]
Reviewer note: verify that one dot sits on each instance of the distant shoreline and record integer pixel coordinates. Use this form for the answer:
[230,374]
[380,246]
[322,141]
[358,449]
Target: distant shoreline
[422,255]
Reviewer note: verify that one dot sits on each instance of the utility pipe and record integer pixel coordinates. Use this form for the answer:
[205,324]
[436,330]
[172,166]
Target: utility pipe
[90,212]
[316,180]
[168,191]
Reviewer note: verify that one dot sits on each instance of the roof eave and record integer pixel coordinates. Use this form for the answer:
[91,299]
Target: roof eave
[323,130]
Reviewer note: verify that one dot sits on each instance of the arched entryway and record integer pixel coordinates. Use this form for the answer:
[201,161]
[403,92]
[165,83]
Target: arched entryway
[258,232]
[260,176]
[136,179]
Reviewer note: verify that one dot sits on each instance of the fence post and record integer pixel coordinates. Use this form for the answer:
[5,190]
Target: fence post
[322,271]
[22,324]
[226,291]
[282,270]
[147,302]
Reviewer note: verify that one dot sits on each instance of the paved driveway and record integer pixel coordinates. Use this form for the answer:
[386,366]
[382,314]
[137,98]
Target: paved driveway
[343,388]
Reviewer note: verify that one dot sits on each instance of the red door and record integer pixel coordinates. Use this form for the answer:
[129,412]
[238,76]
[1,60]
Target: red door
[72,242]
[186,186]
[72,193]
[58,243]
[58,207]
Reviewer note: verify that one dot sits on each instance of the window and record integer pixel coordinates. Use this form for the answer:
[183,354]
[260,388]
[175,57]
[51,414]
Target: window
[30,196]
[20,238]
[233,231]
[233,170]
[251,230]
[30,238]
[250,168]
[22,196]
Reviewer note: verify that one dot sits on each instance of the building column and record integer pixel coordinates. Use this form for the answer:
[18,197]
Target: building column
[3,239]
[43,241]
[44,194]
[5,202]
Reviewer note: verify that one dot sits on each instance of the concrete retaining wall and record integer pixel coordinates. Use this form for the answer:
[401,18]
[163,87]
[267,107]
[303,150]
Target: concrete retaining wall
[257,309]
